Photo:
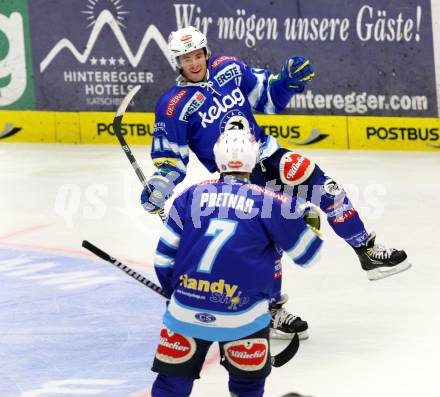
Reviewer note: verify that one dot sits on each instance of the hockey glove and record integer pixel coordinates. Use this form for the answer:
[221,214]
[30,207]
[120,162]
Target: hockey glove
[160,188]
[296,72]
[312,217]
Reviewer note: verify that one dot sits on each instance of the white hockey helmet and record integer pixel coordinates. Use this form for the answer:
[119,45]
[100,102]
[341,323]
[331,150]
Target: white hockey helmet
[236,150]
[184,41]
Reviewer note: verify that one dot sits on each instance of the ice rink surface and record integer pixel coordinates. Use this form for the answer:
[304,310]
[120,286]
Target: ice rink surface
[73,325]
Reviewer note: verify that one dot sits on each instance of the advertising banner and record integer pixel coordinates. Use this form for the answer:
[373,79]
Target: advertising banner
[16,85]
[27,126]
[394,133]
[137,128]
[305,132]
[296,132]
[371,58]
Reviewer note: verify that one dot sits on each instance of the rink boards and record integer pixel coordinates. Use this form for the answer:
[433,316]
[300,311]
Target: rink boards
[320,132]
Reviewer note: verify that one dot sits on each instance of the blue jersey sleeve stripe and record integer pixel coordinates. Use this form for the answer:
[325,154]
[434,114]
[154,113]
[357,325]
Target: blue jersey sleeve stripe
[257,92]
[180,150]
[160,266]
[311,254]
[170,237]
[173,247]
[301,243]
[164,144]
[161,260]
[165,249]
[269,108]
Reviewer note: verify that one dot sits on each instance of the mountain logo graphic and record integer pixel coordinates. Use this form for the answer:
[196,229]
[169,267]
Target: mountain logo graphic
[8,131]
[314,137]
[93,7]
[106,18]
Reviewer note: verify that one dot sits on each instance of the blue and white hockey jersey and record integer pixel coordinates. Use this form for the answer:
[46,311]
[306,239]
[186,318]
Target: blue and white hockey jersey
[192,115]
[218,255]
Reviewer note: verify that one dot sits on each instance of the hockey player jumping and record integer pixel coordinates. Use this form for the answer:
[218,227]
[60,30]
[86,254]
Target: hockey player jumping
[214,93]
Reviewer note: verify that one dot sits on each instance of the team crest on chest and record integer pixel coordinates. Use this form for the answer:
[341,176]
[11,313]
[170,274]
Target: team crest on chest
[234,120]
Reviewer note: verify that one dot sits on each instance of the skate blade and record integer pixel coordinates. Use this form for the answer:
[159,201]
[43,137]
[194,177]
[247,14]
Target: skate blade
[382,272]
[280,335]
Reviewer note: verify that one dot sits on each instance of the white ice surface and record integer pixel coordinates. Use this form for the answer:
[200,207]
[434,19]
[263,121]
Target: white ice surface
[367,339]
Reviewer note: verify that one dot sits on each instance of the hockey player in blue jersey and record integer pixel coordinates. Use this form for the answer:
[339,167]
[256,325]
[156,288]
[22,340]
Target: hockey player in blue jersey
[216,259]
[214,92]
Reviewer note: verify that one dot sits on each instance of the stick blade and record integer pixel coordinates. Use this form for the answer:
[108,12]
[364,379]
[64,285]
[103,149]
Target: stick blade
[126,101]
[287,354]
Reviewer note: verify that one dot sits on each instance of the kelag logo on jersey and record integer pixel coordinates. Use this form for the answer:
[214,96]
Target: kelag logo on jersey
[205,317]
[227,74]
[236,98]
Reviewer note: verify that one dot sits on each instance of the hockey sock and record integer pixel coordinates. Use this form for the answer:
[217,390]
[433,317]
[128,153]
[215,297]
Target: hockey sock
[341,215]
[246,387]
[172,386]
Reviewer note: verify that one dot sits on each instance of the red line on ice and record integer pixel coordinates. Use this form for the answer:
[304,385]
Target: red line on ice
[24,231]
[72,252]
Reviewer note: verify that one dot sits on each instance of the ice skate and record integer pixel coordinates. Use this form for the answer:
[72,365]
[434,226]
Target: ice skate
[380,262]
[284,325]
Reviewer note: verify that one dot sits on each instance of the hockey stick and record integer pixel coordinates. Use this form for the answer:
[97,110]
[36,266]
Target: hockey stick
[117,121]
[277,361]
[103,255]
[284,356]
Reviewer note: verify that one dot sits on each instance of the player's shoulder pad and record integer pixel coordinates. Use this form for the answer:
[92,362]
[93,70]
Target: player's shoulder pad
[218,61]
[278,197]
[172,101]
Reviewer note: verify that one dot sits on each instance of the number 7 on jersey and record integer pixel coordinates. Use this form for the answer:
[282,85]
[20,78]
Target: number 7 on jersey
[221,230]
